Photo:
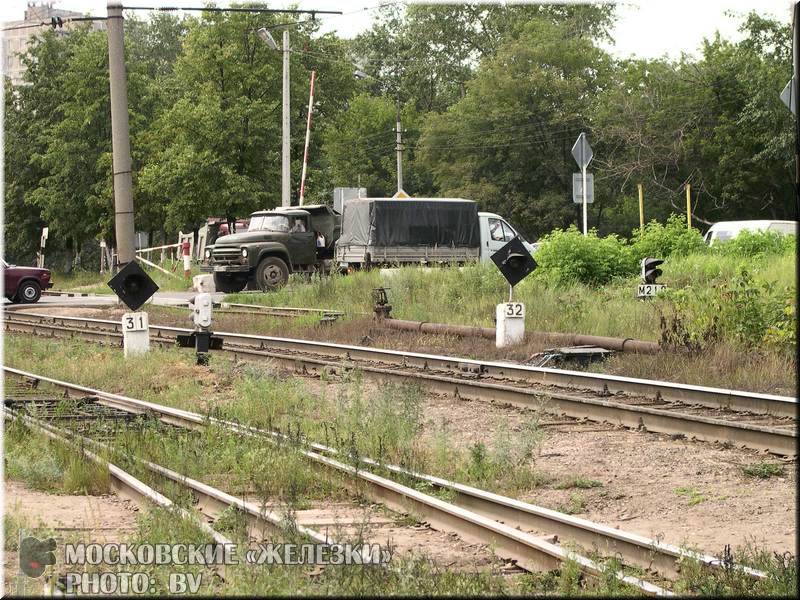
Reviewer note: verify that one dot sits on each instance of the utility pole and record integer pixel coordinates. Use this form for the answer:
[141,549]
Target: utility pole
[120,138]
[286,164]
[399,148]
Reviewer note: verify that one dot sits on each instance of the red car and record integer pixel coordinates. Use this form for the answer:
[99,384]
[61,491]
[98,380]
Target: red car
[25,284]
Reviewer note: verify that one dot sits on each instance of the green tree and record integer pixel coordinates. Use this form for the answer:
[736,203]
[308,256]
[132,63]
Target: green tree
[427,53]
[31,112]
[715,122]
[507,142]
[216,150]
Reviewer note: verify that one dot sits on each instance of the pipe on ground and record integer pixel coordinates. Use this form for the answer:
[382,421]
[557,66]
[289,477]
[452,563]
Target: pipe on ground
[563,339]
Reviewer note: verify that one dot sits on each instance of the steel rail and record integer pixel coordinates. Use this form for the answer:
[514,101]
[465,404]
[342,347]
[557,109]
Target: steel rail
[529,552]
[651,555]
[779,441]
[123,483]
[635,549]
[779,406]
[212,501]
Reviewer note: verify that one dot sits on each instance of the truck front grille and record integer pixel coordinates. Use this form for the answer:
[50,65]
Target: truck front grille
[227,256]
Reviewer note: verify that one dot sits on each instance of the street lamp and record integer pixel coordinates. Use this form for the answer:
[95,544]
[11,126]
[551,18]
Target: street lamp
[360,74]
[285,153]
[268,39]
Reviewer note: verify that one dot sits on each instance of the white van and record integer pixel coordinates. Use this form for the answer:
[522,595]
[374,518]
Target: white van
[496,233]
[727,230]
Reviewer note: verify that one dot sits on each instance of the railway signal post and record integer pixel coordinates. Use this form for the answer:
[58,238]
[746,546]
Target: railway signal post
[515,263]
[134,287]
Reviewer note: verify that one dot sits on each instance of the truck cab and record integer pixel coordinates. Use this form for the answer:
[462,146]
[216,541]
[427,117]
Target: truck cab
[496,232]
[277,242]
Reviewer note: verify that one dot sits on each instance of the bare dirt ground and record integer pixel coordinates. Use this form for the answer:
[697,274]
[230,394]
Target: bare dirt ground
[99,518]
[687,493]
[106,518]
[371,524]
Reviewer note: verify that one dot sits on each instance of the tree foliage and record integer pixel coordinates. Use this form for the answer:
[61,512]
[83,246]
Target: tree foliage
[491,100]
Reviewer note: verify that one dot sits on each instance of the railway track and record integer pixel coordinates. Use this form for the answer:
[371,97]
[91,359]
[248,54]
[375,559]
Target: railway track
[211,502]
[513,527]
[759,421]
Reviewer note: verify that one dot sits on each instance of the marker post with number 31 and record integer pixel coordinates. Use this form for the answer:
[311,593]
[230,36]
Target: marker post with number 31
[135,333]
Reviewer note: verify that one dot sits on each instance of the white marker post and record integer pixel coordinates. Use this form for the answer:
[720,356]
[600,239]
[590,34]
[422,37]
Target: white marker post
[135,333]
[510,324]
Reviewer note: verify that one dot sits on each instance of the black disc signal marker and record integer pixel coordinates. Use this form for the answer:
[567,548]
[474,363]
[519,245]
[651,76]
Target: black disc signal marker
[514,261]
[133,285]
[36,555]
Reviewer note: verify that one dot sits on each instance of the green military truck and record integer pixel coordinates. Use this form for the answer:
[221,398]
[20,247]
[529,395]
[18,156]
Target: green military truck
[277,242]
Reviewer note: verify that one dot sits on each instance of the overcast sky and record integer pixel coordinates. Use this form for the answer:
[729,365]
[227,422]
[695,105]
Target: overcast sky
[647,28]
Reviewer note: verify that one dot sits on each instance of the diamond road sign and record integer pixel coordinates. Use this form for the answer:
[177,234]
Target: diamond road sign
[787,98]
[577,188]
[582,151]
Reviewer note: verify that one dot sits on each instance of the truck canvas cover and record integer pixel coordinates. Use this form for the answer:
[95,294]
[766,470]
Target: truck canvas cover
[412,222]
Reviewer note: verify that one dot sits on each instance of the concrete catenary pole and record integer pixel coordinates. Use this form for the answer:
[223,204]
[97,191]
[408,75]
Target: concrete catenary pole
[120,138]
[285,165]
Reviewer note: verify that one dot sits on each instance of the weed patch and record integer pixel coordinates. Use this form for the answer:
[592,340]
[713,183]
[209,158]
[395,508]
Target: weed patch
[694,496]
[763,470]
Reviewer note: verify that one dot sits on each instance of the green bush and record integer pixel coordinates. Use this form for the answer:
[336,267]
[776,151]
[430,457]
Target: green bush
[750,243]
[749,313]
[673,239]
[569,256]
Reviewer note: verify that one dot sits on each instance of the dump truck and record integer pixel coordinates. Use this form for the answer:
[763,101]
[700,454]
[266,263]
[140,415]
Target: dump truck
[373,232]
[278,242]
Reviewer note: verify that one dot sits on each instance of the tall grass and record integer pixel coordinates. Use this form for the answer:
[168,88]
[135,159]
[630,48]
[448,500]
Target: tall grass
[385,423]
[468,296]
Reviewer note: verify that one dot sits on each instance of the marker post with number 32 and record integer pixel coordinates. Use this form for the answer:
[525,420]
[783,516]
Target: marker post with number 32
[515,263]
[510,327]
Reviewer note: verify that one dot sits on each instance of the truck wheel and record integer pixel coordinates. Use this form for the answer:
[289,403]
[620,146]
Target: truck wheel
[227,284]
[271,274]
[29,292]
